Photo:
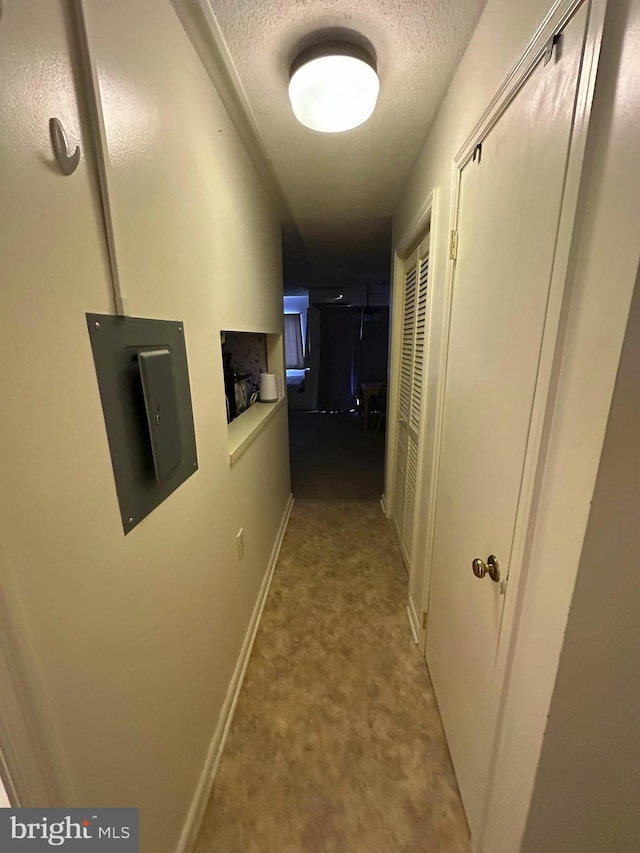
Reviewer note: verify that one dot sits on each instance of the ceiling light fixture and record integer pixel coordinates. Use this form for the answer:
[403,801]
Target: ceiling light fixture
[333,87]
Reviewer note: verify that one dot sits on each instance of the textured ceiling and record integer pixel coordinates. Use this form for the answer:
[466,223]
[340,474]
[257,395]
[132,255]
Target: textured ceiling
[342,188]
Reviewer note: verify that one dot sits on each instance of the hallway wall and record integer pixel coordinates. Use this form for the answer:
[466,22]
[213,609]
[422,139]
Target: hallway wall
[602,277]
[131,642]
[586,793]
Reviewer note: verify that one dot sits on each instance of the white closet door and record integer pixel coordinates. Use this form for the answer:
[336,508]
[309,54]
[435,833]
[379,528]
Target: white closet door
[404,402]
[508,218]
[417,385]
[418,379]
[412,374]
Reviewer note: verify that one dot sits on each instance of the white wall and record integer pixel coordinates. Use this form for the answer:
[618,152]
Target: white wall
[603,271]
[131,642]
[586,792]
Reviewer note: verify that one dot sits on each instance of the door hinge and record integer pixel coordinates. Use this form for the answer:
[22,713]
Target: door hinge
[548,48]
[424,620]
[477,153]
[453,253]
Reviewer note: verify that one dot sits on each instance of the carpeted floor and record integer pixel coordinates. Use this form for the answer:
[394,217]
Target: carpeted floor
[334,457]
[336,745]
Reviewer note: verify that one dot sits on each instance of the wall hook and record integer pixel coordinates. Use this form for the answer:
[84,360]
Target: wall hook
[68,162]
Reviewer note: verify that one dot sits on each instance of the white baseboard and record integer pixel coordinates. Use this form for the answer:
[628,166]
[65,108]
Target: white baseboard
[216,748]
[412,626]
[414,620]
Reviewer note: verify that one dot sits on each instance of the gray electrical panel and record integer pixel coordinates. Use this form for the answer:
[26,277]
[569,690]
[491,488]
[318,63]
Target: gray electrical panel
[143,378]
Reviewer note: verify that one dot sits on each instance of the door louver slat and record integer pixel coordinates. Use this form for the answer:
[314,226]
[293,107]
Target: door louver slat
[412,368]
[404,398]
[406,356]
[410,493]
[419,345]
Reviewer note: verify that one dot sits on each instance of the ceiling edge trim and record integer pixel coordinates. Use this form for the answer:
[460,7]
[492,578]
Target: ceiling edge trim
[202,28]
[417,228]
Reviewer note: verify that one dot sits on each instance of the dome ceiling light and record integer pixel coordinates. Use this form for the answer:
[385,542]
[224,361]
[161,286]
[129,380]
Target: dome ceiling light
[333,87]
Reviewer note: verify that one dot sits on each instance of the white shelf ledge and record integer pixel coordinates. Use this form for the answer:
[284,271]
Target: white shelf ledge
[247,426]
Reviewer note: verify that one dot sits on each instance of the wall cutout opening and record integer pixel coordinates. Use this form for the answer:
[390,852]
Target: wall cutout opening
[250,367]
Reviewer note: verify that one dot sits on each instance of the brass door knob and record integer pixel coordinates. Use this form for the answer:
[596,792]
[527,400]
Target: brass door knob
[491,568]
[479,567]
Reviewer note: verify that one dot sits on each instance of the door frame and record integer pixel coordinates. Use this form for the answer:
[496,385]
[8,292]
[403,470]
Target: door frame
[554,337]
[26,770]
[557,18]
[555,21]
[28,765]
[425,221]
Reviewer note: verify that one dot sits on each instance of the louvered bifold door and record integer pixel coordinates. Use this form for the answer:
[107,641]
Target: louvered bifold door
[404,400]
[415,409]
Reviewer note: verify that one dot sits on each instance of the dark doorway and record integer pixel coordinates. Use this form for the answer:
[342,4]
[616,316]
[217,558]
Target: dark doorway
[337,379]
[338,445]
[333,457]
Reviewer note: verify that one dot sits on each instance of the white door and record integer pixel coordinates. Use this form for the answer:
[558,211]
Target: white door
[508,215]
[412,367]
[414,433]
[404,405]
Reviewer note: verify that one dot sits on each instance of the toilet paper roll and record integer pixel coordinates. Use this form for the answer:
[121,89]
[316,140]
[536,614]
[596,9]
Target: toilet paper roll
[268,388]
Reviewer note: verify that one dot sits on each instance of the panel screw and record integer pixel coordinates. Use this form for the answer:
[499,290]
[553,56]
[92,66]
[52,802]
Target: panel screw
[131,520]
[97,325]
[179,328]
[195,464]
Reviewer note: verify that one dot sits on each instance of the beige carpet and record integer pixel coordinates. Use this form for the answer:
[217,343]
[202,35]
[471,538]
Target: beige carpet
[336,745]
